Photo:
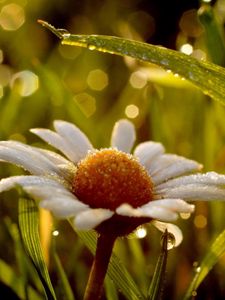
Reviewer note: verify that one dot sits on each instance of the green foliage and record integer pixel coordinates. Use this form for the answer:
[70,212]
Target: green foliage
[28,222]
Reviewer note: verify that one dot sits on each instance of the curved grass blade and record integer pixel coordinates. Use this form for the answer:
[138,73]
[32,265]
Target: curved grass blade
[216,250]
[116,271]
[156,286]
[28,224]
[207,76]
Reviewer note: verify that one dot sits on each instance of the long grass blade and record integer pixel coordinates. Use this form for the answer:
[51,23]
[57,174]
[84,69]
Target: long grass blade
[156,286]
[207,76]
[216,250]
[28,224]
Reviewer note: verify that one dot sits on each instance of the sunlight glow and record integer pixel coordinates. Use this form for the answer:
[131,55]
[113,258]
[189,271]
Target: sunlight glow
[132,111]
[12,17]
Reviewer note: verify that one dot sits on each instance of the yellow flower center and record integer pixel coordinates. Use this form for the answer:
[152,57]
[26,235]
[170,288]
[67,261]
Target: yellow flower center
[107,178]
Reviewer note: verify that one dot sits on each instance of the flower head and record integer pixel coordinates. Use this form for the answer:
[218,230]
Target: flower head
[109,190]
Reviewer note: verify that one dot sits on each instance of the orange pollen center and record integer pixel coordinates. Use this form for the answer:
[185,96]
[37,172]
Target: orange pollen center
[107,178]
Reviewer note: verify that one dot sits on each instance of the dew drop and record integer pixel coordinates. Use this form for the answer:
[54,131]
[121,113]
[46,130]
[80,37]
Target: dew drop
[165,62]
[171,241]
[198,269]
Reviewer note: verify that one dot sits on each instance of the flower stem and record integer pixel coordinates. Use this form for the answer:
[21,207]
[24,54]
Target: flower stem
[99,267]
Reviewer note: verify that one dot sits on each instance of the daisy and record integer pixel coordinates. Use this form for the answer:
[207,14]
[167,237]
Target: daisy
[109,190]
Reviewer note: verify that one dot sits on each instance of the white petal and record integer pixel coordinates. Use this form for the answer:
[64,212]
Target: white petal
[91,218]
[123,135]
[54,157]
[66,168]
[27,157]
[168,166]
[171,228]
[193,192]
[57,141]
[25,181]
[129,211]
[148,151]
[210,178]
[176,205]
[75,138]
[154,212]
[63,206]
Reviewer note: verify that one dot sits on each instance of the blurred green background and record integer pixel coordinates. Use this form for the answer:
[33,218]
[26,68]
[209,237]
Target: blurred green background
[41,80]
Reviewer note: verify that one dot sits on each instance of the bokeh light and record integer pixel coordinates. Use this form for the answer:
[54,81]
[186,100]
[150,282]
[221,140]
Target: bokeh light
[140,232]
[26,82]
[12,17]
[5,75]
[138,79]
[86,103]
[200,221]
[132,111]
[97,80]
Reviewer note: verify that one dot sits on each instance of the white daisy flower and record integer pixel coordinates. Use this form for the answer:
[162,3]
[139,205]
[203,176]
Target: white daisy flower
[109,190]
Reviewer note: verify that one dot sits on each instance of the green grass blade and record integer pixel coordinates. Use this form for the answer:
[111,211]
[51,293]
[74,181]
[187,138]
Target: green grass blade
[207,76]
[28,224]
[65,288]
[216,250]
[110,289]
[156,286]
[213,35]
[116,271]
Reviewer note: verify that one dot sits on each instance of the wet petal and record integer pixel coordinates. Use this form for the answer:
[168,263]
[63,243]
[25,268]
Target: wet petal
[75,138]
[168,166]
[92,218]
[153,212]
[55,140]
[148,151]
[171,228]
[27,157]
[176,205]
[123,136]
[210,178]
[54,157]
[192,192]
[25,181]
